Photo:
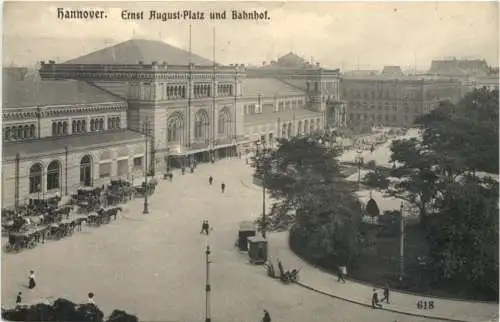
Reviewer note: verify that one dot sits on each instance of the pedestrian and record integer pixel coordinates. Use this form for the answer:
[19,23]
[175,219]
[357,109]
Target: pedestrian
[375,301]
[171,176]
[203,227]
[386,294]
[192,169]
[210,180]
[340,275]
[183,170]
[91,298]
[223,187]
[19,298]
[207,227]
[266,317]
[31,280]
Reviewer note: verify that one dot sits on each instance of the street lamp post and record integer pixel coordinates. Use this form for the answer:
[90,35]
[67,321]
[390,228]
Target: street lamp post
[401,244]
[146,190]
[207,286]
[359,161]
[261,152]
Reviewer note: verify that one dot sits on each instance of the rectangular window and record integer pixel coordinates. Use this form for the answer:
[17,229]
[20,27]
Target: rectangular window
[138,162]
[105,170]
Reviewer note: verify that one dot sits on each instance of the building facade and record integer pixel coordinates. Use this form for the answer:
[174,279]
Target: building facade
[395,101]
[199,110]
[62,135]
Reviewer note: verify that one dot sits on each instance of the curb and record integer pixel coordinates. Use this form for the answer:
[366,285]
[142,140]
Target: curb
[383,308]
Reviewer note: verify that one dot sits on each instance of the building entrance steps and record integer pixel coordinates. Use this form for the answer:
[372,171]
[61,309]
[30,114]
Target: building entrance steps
[355,292]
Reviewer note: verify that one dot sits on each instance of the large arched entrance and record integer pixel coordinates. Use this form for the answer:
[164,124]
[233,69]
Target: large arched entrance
[86,171]
[175,125]
[201,126]
[224,123]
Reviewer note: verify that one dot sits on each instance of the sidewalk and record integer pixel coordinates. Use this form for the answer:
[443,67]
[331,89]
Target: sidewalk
[322,282]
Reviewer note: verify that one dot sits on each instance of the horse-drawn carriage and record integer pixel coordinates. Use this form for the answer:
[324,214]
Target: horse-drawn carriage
[144,188]
[118,191]
[28,238]
[103,215]
[88,198]
[247,229]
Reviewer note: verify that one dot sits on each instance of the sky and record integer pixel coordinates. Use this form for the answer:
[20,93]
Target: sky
[355,35]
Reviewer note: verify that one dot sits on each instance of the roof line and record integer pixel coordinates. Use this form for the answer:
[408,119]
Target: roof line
[106,90]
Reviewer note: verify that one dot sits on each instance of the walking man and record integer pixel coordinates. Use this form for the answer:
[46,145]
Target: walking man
[267,317]
[19,299]
[386,294]
[223,187]
[210,180]
[204,227]
[31,280]
[340,275]
[375,300]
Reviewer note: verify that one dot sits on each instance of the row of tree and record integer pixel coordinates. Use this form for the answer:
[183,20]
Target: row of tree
[443,175]
[64,311]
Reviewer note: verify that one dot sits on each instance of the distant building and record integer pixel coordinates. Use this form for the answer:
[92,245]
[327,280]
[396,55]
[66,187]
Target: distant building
[320,106]
[394,101]
[392,71]
[362,72]
[459,68]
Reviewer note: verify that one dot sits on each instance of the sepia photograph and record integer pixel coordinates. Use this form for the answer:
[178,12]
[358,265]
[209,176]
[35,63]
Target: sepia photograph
[216,161]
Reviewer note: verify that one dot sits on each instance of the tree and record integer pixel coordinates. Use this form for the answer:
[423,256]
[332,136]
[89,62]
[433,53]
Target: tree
[464,234]
[376,179]
[311,196]
[456,139]
[372,208]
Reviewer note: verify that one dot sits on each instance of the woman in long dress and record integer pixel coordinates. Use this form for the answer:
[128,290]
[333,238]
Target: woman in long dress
[31,281]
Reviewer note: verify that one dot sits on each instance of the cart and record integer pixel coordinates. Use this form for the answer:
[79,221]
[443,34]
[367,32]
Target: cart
[257,250]
[247,229]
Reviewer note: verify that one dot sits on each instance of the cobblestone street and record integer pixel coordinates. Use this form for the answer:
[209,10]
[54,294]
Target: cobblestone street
[154,266]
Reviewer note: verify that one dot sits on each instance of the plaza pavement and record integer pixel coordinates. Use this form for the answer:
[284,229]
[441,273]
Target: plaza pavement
[153,265]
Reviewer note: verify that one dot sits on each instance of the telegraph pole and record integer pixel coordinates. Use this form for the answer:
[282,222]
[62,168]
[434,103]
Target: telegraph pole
[146,189]
[401,244]
[207,287]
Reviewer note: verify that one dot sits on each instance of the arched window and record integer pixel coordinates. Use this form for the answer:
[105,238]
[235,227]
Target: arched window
[20,133]
[27,131]
[283,130]
[306,127]
[110,123]
[201,125]
[54,128]
[299,128]
[92,125]
[53,175]
[84,126]
[174,128]
[35,178]
[311,127]
[32,131]
[73,127]
[289,132]
[59,128]
[7,133]
[65,127]
[14,133]
[224,122]
[101,124]
[86,171]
